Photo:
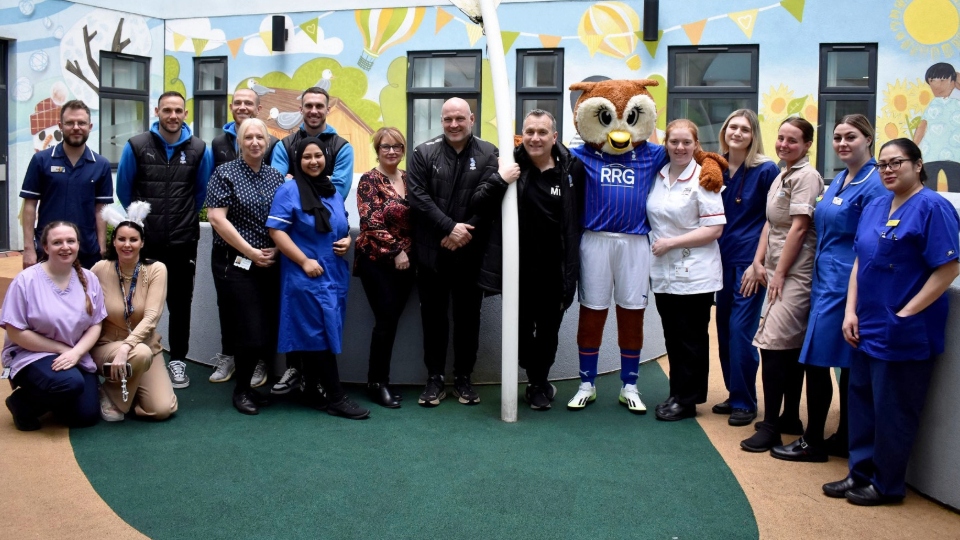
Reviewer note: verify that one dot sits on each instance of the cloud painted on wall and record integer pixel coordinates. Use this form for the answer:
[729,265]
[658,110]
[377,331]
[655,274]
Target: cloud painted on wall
[299,42]
[199,31]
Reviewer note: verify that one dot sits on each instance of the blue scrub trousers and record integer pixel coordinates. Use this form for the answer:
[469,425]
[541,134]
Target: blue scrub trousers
[71,394]
[737,320]
[885,402]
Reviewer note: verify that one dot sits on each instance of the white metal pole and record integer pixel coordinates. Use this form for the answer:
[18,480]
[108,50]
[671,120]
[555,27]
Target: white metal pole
[511,243]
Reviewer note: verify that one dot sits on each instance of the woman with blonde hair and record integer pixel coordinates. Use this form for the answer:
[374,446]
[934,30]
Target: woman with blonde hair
[747,181]
[382,256]
[685,222]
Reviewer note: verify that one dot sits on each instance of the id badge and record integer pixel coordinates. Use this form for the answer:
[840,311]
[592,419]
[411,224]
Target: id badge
[681,271]
[837,201]
[781,193]
[242,262]
[6,373]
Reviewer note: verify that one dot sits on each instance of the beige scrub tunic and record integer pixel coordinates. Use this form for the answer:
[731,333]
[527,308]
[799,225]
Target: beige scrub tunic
[793,193]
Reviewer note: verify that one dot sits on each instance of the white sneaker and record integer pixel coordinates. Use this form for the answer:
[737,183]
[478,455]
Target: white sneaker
[584,396]
[630,398]
[108,411]
[224,369]
[178,373]
[259,375]
[291,379]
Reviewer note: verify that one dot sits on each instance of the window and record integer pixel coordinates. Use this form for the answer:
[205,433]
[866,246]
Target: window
[848,85]
[434,77]
[540,84]
[706,84]
[124,101]
[209,96]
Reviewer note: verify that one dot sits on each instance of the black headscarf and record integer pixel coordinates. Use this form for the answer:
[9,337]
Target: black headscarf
[313,188]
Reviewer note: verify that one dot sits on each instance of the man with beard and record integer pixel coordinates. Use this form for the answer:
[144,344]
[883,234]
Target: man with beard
[314,106]
[169,168]
[68,182]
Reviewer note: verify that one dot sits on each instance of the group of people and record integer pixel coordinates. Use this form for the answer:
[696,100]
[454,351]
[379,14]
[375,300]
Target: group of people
[782,259]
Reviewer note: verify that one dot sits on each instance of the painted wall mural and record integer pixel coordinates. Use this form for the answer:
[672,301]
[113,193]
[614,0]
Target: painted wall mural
[360,56]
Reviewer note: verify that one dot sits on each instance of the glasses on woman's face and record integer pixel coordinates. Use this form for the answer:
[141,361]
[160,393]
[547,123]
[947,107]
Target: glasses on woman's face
[893,165]
[391,147]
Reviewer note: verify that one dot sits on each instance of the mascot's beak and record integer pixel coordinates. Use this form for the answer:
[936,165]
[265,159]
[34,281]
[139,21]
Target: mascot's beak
[619,140]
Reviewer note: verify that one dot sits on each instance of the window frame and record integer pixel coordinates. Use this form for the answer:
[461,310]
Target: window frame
[675,93]
[126,94]
[218,97]
[540,92]
[843,93]
[431,92]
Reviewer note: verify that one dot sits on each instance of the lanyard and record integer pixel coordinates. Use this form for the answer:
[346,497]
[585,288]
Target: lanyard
[128,297]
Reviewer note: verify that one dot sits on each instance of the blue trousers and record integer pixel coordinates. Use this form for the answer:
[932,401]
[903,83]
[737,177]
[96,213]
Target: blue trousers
[885,402]
[71,394]
[737,320]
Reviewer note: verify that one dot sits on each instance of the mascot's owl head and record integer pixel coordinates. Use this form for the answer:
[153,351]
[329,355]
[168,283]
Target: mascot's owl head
[615,116]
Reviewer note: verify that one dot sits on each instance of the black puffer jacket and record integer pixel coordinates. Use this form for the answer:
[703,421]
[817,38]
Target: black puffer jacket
[487,201]
[441,185]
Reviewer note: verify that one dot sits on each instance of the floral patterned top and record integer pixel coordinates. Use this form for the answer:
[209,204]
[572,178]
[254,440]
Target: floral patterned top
[385,223]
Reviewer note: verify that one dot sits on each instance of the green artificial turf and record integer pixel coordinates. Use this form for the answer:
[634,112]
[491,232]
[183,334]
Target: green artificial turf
[452,471]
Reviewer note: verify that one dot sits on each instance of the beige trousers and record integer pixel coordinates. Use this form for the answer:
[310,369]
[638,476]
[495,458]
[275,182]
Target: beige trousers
[151,393]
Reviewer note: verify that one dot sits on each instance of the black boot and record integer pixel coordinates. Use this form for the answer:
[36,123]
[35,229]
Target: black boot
[763,440]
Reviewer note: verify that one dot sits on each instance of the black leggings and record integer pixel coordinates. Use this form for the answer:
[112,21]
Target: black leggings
[782,384]
[320,367]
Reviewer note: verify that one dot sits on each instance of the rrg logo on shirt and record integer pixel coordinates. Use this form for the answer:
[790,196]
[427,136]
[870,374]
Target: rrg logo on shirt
[616,175]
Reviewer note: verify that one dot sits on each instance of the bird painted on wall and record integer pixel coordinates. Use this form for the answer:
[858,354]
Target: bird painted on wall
[286,120]
[326,78]
[258,88]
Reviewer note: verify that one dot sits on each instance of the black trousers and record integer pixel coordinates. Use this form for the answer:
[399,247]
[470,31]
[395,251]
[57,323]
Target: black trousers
[319,367]
[540,316]
[455,282]
[249,302]
[181,263]
[387,290]
[218,258]
[686,321]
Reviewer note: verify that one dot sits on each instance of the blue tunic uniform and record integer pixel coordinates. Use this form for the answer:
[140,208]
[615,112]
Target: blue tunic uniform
[312,310]
[896,257]
[836,218]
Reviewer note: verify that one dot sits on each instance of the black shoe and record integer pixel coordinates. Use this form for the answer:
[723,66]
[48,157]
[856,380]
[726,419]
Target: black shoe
[764,439]
[741,417]
[723,407]
[244,402]
[346,408]
[799,450]
[382,395]
[838,490]
[540,396]
[464,390]
[869,496]
[835,446]
[433,393]
[676,411]
[23,417]
[788,427]
[670,401]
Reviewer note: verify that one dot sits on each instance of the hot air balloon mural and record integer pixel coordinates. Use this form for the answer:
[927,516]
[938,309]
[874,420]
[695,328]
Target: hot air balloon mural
[611,29]
[384,28]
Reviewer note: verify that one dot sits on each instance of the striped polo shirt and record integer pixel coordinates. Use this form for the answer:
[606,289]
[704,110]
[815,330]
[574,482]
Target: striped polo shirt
[615,197]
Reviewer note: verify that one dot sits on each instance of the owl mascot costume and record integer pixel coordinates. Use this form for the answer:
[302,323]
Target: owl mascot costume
[615,118]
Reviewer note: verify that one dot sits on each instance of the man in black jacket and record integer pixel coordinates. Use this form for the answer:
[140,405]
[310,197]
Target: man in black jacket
[548,199]
[449,242]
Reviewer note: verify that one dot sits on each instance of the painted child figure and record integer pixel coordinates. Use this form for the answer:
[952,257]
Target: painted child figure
[615,118]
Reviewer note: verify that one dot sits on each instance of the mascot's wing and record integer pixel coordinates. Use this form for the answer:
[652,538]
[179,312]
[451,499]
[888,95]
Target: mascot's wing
[712,167]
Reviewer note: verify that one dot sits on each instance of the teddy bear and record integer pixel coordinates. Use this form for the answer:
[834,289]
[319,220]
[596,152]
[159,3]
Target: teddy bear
[615,119]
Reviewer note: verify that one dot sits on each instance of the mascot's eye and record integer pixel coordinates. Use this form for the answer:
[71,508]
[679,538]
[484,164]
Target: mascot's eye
[633,116]
[605,117]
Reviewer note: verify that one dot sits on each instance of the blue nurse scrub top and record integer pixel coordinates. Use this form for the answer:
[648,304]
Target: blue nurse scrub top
[745,207]
[836,218]
[312,310]
[896,256]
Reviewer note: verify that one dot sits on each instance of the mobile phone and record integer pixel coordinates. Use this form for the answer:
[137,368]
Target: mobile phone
[105,370]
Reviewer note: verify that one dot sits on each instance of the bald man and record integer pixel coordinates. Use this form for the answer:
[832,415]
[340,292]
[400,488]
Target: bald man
[450,240]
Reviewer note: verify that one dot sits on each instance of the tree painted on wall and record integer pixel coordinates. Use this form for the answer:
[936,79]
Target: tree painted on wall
[393,98]
[173,83]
